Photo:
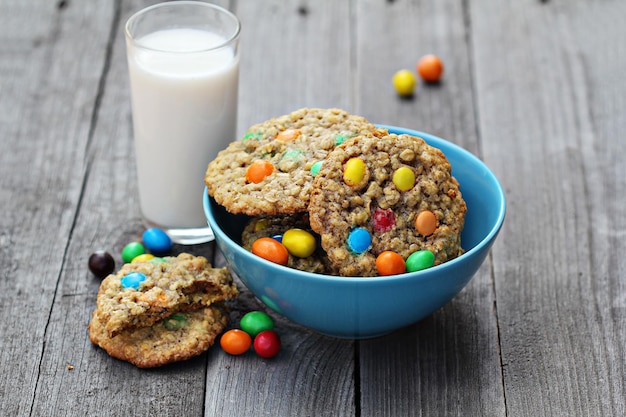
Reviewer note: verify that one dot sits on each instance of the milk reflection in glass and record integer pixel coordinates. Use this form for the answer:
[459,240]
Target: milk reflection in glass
[184,104]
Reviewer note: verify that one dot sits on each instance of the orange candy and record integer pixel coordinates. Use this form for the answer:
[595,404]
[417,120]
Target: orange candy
[258,170]
[270,249]
[288,135]
[390,263]
[426,223]
[235,342]
[430,68]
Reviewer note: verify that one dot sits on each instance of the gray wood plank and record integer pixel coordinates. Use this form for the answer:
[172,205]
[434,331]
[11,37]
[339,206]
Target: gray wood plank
[108,219]
[549,78]
[448,364]
[51,58]
[291,66]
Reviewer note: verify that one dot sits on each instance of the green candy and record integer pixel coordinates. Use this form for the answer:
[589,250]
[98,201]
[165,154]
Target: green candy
[132,250]
[315,168]
[255,322]
[419,260]
[175,322]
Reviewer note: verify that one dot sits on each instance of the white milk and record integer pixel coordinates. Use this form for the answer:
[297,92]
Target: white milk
[184,112]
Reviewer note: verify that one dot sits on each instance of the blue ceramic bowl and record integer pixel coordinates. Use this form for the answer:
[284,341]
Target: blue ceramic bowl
[359,307]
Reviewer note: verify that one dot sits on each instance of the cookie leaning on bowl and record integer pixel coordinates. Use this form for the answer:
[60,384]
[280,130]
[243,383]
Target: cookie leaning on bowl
[268,171]
[376,188]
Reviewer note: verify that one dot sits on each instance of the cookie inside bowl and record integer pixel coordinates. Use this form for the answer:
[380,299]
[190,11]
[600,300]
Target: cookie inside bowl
[365,307]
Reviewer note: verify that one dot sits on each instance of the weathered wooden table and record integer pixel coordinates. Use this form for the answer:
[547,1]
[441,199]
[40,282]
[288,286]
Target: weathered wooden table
[537,89]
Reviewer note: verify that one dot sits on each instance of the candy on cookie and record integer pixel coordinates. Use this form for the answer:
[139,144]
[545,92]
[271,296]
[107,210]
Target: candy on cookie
[394,193]
[270,171]
[143,293]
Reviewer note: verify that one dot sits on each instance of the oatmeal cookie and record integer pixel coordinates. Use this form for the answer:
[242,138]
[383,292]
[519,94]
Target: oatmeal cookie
[272,226]
[268,171]
[178,337]
[142,293]
[376,188]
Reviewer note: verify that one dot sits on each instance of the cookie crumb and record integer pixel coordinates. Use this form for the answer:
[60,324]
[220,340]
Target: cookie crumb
[70,368]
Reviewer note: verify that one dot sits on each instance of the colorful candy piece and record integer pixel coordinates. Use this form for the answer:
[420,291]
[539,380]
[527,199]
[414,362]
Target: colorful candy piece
[404,82]
[430,68]
[383,220]
[235,342]
[288,135]
[404,178]
[252,136]
[255,322]
[426,223]
[299,242]
[342,137]
[260,224]
[270,249]
[315,168]
[132,250]
[354,171]
[132,280]
[267,344]
[419,260]
[390,263]
[156,240]
[259,170]
[144,257]
[101,263]
[175,322]
[359,240]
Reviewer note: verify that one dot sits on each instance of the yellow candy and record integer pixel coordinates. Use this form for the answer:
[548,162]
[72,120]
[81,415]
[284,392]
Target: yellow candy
[299,242]
[144,257]
[354,171]
[404,82]
[260,225]
[404,178]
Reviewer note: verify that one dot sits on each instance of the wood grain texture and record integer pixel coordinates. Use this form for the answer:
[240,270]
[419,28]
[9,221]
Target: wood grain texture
[534,88]
[559,275]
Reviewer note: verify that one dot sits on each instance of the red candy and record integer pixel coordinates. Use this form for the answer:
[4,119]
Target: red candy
[383,220]
[267,344]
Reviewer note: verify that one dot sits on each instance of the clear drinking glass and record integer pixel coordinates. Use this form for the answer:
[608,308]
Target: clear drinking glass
[183,61]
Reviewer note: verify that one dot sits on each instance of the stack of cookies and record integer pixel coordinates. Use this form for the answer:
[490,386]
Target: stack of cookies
[157,312]
[336,175]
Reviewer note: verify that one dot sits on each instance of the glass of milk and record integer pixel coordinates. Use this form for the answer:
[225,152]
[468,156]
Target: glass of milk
[183,60]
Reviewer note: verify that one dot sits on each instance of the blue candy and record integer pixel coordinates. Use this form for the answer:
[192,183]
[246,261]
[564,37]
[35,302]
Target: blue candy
[157,241]
[359,240]
[133,280]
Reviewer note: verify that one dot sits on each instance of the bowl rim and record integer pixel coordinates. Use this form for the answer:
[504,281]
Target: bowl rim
[424,274]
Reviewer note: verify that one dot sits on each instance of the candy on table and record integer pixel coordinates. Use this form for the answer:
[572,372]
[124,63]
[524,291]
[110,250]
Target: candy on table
[132,250]
[390,263]
[101,263]
[354,171]
[156,241]
[430,68]
[271,250]
[267,344]
[419,260]
[255,322]
[359,240]
[133,280]
[235,342]
[404,82]
[299,242]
